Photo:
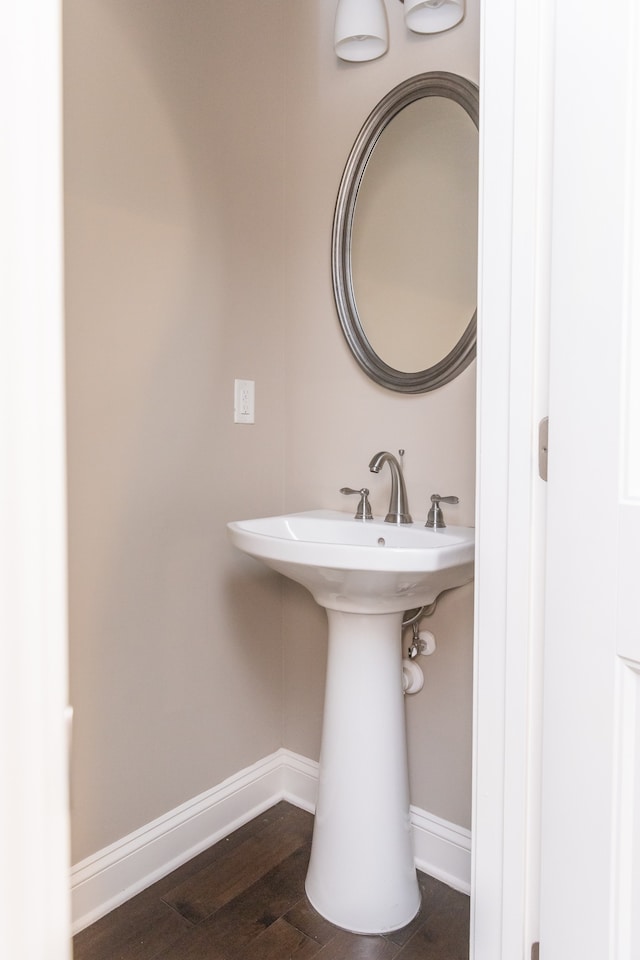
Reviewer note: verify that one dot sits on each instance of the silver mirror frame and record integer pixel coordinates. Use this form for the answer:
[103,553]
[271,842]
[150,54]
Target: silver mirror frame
[433,84]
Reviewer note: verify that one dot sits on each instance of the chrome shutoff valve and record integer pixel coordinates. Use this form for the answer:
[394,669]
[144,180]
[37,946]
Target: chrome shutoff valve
[423,643]
[413,650]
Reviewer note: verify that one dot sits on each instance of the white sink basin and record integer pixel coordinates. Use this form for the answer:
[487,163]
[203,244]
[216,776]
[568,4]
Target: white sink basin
[360,566]
[366,573]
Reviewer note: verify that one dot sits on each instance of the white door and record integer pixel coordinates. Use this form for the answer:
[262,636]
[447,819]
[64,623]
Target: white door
[590,861]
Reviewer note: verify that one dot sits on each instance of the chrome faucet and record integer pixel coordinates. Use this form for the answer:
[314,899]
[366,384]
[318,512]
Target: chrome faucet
[398,505]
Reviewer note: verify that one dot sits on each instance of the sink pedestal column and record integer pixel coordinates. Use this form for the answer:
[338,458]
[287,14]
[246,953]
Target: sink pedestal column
[361,874]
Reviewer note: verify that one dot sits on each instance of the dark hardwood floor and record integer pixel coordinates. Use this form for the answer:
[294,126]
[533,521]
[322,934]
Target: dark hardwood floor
[243,899]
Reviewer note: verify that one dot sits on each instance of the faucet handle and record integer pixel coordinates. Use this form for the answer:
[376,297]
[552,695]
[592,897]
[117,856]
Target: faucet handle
[364,507]
[435,517]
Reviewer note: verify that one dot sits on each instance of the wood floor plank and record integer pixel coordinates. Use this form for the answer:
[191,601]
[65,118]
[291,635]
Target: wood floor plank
[232,928]
[445,933]
[280,941]
[193,946]
[137,930]
[221,881]
[309,921]
[353,946]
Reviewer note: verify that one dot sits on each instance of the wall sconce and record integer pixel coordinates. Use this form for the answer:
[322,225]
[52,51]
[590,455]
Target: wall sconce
[361,31]
[432,16]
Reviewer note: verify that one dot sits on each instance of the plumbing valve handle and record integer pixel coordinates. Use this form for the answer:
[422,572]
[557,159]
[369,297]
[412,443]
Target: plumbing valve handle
[413,650]
[435,519]
[436,498]
[364,507]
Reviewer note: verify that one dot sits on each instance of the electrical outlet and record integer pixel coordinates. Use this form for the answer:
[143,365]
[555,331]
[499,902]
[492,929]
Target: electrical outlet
[244,394]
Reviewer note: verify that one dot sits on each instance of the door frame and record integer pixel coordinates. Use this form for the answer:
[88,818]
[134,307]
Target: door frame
[516,139]
[34,808]
[516,118]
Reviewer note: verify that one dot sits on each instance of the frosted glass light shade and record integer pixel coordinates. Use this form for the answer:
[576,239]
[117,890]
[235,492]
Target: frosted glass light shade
[432,16]
[361,31]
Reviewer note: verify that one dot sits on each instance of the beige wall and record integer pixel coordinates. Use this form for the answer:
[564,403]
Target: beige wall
[204,149]
[337,418]
[175,285]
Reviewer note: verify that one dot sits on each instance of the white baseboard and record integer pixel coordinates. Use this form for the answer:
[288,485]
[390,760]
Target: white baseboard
[442,849]
[110,877]
[300,780]
[113,875]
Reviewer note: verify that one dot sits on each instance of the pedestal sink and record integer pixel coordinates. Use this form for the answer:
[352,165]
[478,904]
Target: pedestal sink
[366,574]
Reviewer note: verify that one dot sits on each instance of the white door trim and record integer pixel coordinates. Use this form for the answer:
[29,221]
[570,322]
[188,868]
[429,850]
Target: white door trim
[515,194]
[33,659]
[503,675]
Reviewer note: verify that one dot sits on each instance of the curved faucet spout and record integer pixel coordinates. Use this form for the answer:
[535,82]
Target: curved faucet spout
[398,503]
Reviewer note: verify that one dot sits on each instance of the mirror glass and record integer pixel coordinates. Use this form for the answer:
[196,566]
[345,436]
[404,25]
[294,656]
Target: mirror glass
[405,235]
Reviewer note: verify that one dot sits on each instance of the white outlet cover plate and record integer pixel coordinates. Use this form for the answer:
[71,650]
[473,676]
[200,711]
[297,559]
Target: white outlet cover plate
[244,394]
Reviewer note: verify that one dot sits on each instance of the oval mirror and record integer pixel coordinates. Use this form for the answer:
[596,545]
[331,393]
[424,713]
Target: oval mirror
[404,246]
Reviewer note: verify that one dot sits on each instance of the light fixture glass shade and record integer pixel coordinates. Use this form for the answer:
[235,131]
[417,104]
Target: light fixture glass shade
[361,31]
[432,16]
